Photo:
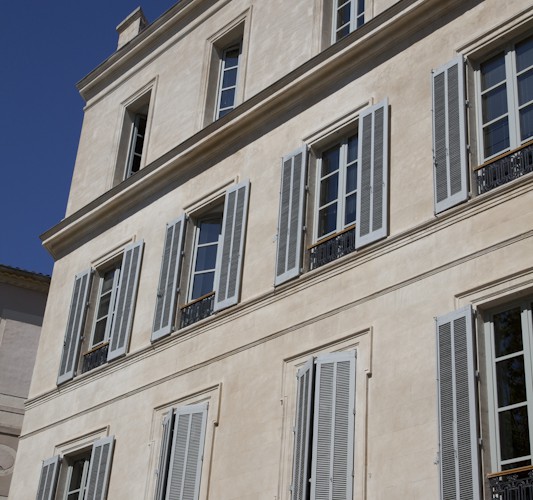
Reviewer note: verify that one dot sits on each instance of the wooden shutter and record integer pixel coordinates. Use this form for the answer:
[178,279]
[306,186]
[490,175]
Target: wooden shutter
[75,324]
[48,479]
[99,469]
[459,460]
[303,431]
[125,301]
[164,456]
[449,135]
[291,215]
[333,429]
[167,290]
[187,453]
[373,178]
[231,246]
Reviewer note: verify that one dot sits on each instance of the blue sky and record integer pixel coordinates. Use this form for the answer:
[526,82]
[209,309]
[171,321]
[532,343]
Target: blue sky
[46,47]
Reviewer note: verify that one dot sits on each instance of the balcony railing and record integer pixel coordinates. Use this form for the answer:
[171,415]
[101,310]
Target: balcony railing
[95,358]
[332,248]
[514,484]
[505,168]
[198,309]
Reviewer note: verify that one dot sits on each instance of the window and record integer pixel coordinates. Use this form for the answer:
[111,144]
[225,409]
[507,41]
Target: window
[348,16]
[324,428]
[115,290]
[138,130]
[77,474]
[227,82]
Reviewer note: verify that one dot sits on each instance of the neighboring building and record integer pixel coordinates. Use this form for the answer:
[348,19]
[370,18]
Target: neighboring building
[22,302]
[296,260]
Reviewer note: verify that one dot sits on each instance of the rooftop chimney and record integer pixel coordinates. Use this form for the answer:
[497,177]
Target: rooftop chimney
[131,27]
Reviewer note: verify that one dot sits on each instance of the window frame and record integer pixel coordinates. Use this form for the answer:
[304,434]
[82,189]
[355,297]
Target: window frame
[135,138]
[222,69]
[71,461]
[357,11]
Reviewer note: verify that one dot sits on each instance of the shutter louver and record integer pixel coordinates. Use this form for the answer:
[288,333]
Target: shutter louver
[291,214]
[164,457]
[187,453]
[373,179]
[449,135]
[75,324]
[99,469]
[231,248]
[48,479]
[169,279]
[459,466]
[125,301]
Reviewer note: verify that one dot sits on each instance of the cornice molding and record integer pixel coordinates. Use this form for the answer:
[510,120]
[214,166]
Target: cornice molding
[24,279]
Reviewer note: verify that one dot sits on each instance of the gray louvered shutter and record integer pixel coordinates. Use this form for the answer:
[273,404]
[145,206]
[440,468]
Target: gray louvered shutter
[99,469]
[333,428]
[75,324]
[164,456]
[373,178]
[48,479]
[187,453]
[167,290]
[459,460]
[231,246]
[291,215]
[303,431]
[125,301]
[449,135]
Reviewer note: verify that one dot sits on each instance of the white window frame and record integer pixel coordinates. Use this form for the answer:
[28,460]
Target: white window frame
[355,15]
[222,69]
[134,138]
[86,457]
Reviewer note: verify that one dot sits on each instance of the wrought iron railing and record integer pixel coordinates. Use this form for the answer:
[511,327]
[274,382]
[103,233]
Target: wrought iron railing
[505,169]
[198,309]
[515,484]
[332,248]
[95,358]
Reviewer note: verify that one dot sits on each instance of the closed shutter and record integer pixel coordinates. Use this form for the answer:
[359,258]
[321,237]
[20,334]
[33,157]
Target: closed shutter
[164,456]
[76,320]
[231,247]
[333,429]
[373,178]
[169,279]
[125,302]
[291,215]
[99,469]
[303,432]
[48,479]
[459,462]
[449,135]
[187,453]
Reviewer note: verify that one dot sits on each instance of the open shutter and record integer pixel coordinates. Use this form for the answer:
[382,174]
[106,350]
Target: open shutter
[164,457]
[76,320]
[459,460]
[231,247]
[125,301]
[167,290]
[291,215]
[187,453]
[449,135]
[373,178]
[99,469]
[302,431]
[48,479]
[333,429]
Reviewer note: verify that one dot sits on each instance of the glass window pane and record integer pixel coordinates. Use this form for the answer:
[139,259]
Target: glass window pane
[496,137]
[99,331]
[77,474]
[139,143]
[494,103]
[203,284]
[525,87]
[227,98]
[136,163]
[507,332]
[349,215]
[327,220]
[329,189]
[360,6]
[231,58]
[209,231]
[330,161]
[206,258]
[343,15]
[511,381]
[514,433]
[108,281]
[524,54]
[223,112]
[352,148]
[103,306]
[526,122]
[493,71]
[230,78]
[351,178]
[342,32]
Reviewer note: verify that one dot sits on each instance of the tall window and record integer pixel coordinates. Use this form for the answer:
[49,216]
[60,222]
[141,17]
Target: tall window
[227,84]
[348,16]
[77,474]
[136,144]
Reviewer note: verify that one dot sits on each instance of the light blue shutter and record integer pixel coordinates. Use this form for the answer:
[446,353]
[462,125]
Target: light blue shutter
[333,429]
[302,431]
[75,324]
[167,291]
[48,479]
[187,453]
[164,456]
[373,179]
[125,301]
[449,135]
[99,469]
[459,460]
[291,215]
[231,247]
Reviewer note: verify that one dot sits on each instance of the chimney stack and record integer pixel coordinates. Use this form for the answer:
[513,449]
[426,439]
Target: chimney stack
[131,27]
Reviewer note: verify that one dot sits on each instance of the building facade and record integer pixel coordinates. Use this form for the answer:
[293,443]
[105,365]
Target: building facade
[296,260]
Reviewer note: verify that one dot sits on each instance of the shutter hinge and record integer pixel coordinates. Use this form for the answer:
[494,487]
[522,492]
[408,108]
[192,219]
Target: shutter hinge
[467,103]
[480,442]
[477,375]
[304,229]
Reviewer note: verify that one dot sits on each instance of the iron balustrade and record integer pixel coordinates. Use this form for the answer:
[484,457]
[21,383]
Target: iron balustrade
[332,249]
[197,310]
[95,358]
[505,169]
[516,484]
